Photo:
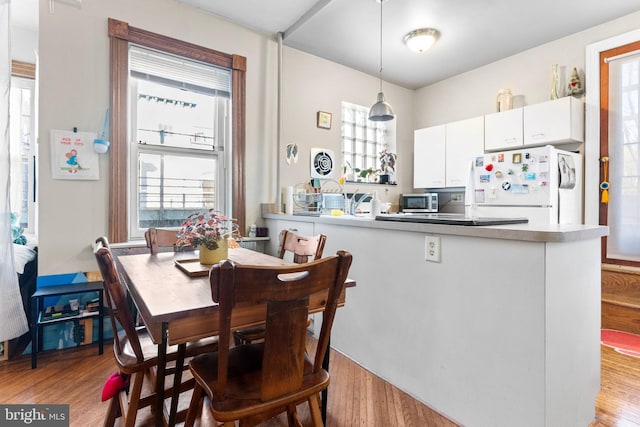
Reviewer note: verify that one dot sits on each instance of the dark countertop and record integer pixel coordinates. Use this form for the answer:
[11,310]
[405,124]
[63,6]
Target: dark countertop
[449,219]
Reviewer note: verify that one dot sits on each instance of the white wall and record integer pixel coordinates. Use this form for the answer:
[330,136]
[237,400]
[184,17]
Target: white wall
[74,73]
[24,45]
[74,92]
[527,73]
[312,84]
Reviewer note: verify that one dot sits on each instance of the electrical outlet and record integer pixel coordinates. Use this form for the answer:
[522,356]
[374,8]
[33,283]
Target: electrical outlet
[432,248]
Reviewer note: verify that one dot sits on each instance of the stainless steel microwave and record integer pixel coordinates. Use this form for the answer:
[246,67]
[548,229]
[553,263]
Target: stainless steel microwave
[419,203]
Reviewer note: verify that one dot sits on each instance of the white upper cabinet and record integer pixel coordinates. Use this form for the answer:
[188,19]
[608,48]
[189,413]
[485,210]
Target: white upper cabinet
[442,154]
[503,130]
[464,141]
[552,122]
[429,157]
[560,120]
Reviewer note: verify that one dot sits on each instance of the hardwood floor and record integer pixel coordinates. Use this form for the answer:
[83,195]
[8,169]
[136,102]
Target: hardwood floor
[618,403]
[356,397]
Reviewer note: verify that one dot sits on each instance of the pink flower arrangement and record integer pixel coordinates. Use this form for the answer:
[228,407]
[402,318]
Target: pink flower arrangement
[205,228]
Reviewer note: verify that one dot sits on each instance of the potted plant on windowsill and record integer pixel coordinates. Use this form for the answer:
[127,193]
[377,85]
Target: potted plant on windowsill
[387,166]
[208,231]
[366,175]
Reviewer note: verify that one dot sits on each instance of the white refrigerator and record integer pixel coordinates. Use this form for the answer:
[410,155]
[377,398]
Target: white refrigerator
[542,184]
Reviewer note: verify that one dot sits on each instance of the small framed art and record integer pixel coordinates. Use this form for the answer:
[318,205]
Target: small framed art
[324,120]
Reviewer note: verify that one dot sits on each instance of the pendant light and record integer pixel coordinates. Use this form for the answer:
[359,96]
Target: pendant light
[381,111]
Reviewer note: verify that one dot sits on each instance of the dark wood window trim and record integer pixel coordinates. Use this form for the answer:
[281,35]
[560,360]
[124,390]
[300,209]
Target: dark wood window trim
[120,35]
[604,138]
[26,70]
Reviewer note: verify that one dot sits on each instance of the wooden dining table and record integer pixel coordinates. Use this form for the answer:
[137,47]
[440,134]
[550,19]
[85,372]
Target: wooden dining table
[172,294]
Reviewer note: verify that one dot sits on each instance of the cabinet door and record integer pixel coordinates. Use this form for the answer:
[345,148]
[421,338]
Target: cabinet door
[503,130]
[429,157]
[560,120]
[465,141]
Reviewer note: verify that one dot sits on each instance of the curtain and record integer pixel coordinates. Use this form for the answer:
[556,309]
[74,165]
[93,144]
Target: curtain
[13,321]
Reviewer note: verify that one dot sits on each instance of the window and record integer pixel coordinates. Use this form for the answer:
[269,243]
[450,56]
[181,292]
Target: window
[621,144]
[163,186]
[362,142]
[180,122]
[23,151]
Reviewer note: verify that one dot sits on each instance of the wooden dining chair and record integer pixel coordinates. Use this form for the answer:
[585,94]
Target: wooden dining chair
[255,382]
[157,238]
[301,249]
[135,353]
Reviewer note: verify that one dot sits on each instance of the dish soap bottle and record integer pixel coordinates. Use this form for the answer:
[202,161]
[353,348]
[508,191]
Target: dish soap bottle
[375,205]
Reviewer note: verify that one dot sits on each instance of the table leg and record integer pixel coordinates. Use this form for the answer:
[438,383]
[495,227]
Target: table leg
[162,366]
[100,323]
[35,304]
[177,379]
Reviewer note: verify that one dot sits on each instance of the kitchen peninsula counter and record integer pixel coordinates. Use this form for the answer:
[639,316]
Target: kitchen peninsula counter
[503,331]
[524,232]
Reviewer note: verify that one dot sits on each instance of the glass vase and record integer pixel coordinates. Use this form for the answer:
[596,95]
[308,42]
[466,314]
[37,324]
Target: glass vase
[555,82]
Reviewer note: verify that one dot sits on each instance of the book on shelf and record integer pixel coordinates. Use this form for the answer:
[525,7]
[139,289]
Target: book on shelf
[58,312]
[93,306]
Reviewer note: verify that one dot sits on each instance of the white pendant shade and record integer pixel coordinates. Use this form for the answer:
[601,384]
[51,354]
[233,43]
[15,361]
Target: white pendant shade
[422,39]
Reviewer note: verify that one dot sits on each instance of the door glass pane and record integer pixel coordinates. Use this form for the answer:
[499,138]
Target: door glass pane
[623,210]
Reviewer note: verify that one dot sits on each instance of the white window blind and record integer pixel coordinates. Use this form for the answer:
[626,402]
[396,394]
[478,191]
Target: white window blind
[147,64]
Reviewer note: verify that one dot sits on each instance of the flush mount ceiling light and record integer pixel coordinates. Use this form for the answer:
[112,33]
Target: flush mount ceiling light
[422,39]
[381,111]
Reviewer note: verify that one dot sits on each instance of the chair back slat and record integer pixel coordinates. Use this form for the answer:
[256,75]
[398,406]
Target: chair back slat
[116,298]
[157,238]
[302,248]
[286,328]
[285,291]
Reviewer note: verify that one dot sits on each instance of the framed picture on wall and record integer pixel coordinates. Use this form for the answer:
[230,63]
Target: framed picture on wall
[324,120]
[73,156]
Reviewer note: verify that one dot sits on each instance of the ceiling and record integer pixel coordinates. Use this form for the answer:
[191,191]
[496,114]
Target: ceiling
[473,32]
